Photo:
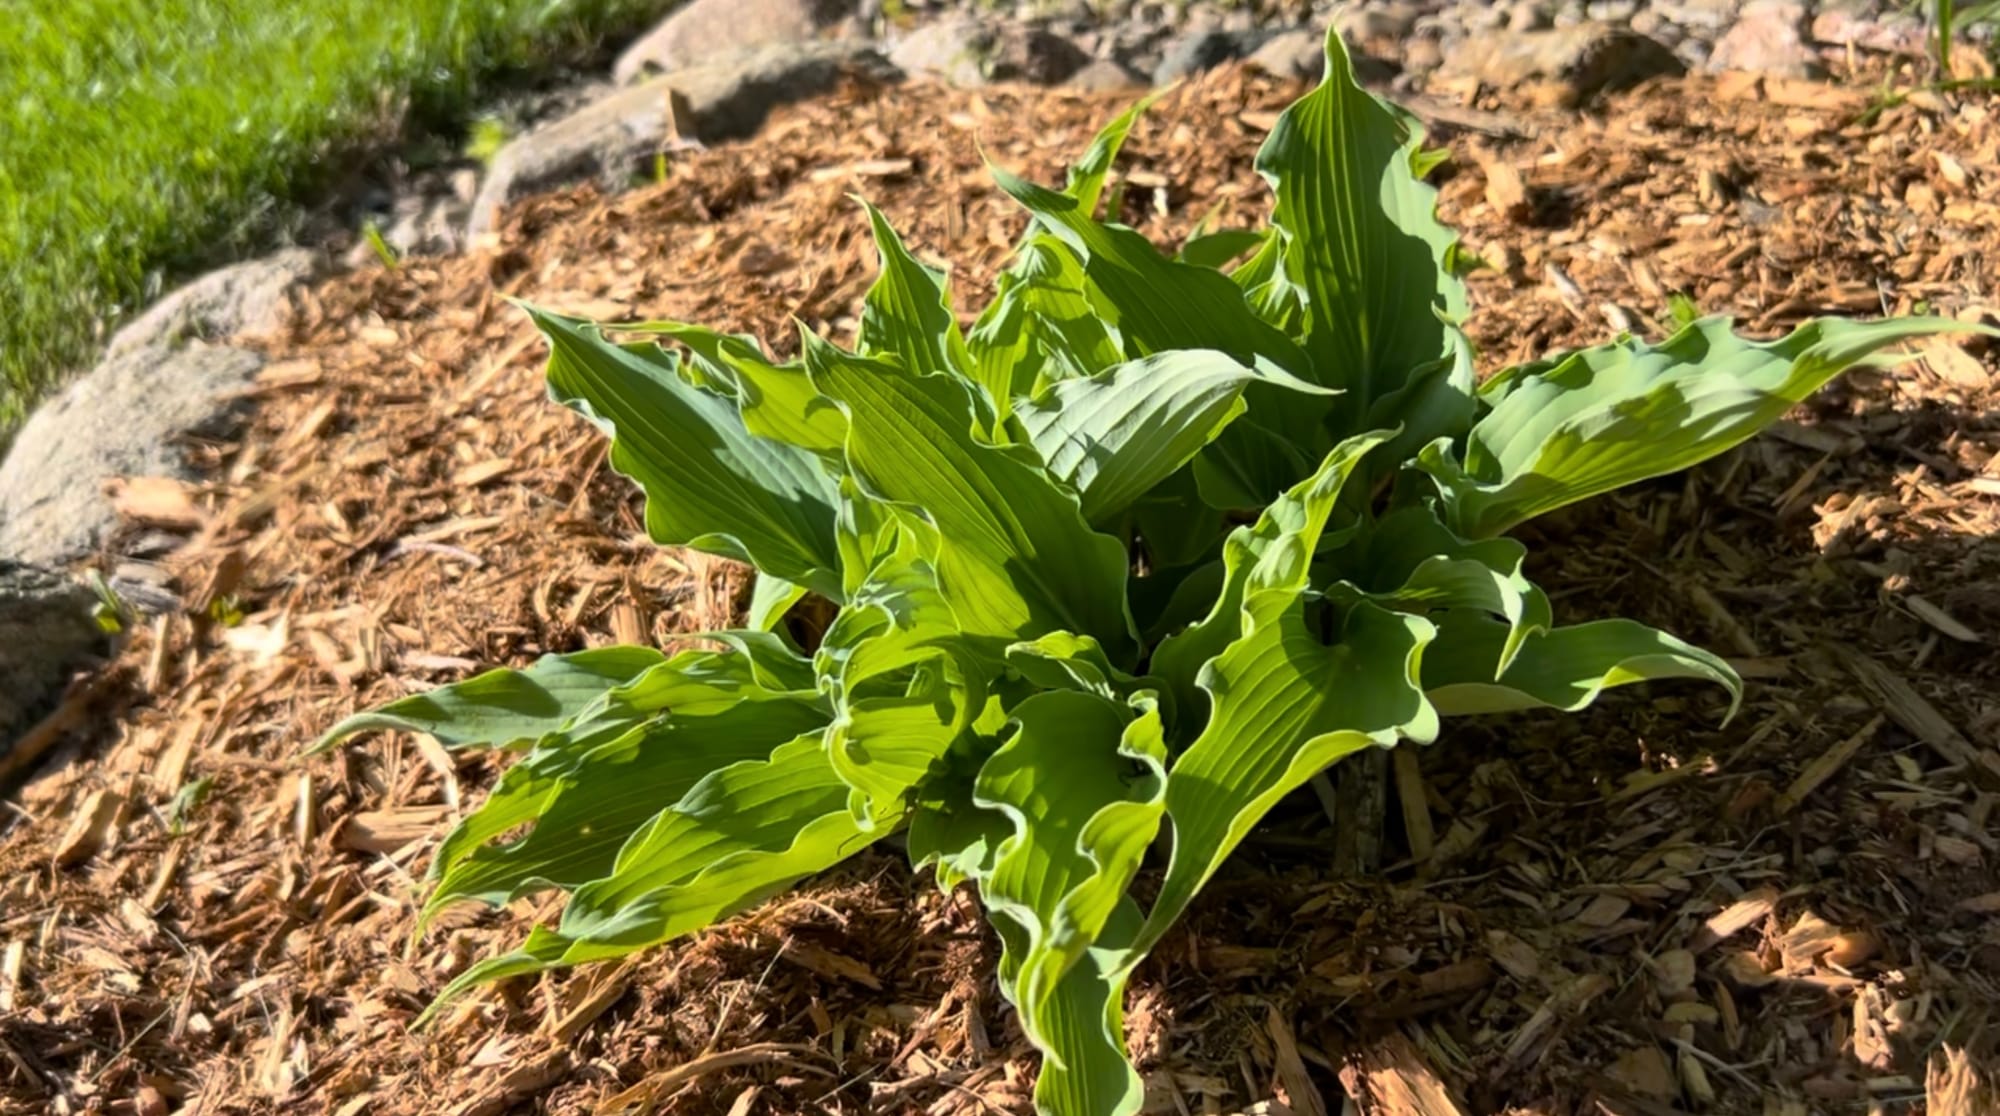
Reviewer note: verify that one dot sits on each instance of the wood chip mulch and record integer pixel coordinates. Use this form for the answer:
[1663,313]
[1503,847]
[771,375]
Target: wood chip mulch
[1633,912]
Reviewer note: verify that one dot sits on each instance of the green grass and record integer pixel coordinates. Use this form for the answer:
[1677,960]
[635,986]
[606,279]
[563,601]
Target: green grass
[141,139]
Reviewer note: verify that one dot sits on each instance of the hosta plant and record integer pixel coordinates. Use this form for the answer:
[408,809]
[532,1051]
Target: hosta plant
[1115,569]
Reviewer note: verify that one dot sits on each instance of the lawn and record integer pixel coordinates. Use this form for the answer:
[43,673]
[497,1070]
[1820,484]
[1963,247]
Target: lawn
[140,139]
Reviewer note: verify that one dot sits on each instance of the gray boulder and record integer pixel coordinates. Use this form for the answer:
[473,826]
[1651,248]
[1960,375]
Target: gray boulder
[1204,49]
[45,633]
[244,298]
[615,140]
[1582,60]
[969,51]
[123,418]
[704,29]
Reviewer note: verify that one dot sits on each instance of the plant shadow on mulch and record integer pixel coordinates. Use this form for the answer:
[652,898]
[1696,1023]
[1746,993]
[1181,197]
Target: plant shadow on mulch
[1637,910]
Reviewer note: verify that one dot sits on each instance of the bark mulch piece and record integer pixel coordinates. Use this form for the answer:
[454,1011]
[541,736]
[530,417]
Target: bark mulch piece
[1636,911]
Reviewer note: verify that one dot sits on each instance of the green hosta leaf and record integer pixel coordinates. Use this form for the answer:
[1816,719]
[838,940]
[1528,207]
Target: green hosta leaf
[1217,248]
[756,664]
[739,836]
[881,747]
[952,833]
[1013,554]
[1177,526]
[1303,683]
[1410,561]
[1040,326]
[1249,465]
[1437,401]
[1605,417]
[896,620]
[1116,435]
[1083,783]
[1153,302]
[1065,661]
[506,708]
[1272,295]
[907,313]
[1087,1069]
[1564,668]
[770,599]
[1086,178]
[1362,243]
[709,483]
[776,400]
[585,801]
[1274,552]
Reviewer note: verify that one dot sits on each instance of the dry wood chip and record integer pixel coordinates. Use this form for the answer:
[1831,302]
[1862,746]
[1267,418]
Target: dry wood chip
[640,1098]
[388,831]
[1824,766]
[1394,1075]
[827,963]
[155,502]
[11,962]
[1300,1092]
[1736,917]
[1938,618]
[1673,972]
[1643,1070]
[1909,709]
[1603,911]
[1565,1004]
[472,476]
[90,828]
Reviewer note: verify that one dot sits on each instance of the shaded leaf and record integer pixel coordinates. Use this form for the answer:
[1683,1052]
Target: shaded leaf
[1564,668]
[709,483]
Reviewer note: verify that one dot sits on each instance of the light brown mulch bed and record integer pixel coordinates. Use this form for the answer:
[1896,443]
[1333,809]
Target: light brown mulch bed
[1633,912]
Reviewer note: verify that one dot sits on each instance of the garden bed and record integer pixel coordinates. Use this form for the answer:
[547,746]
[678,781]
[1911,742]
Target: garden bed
[1632,911]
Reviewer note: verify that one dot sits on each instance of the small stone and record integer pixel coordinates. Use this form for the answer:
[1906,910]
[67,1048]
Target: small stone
[1653,25]
[1713,15]
[1292,54]
[1528,15]
[1767,39]
[1576,62]
[1105,75]
[1386,21]
[1422,55]
[704,29]
[1852,948]
[1840,28]
[968,52]
[1611,11]
[1200,51]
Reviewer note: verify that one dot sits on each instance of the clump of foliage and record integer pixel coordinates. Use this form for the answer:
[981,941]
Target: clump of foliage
[1140,553]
